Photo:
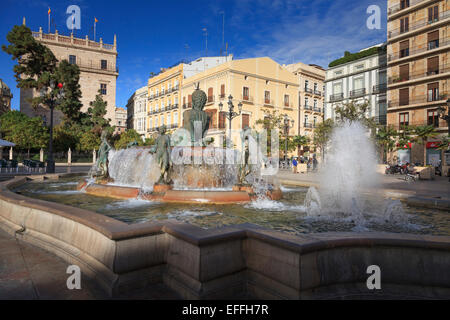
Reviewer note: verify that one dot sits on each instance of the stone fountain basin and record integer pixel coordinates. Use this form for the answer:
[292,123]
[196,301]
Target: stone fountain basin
[166,194]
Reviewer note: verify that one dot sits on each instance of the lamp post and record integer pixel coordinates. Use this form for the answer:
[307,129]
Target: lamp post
[287,124]
[56,93]
[446,117]
[230,114]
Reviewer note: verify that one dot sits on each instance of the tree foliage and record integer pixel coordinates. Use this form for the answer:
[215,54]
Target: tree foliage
[322,134]
[127,137]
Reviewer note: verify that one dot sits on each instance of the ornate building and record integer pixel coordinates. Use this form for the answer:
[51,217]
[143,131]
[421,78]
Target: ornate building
[98,71]
[5,98]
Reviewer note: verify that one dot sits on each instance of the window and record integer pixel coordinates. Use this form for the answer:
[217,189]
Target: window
[315,104]
[162,120]
[433,118]
[222,120]
[245,121]
[210,95]
[404,72]
[286,100]
[404,4]
[104,64]
[222,91]
[433,66]
[189,101]
[267,97]
[404,119]
[151,124]
[306,84]
[404,97]
[358,83]
[433,40]
[315,87]
[168,120]
[433,92]
[306,119]
[245,93]
[404,25]
[306,101]
[337,87]
[103,88]
[433,14]
[404,48]
[72,59]
[175,118]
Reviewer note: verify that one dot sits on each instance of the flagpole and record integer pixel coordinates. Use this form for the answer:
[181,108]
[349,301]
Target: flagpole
[95,24]
[49,22]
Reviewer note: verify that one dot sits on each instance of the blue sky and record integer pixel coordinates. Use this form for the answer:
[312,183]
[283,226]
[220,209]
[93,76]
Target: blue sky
[154,34]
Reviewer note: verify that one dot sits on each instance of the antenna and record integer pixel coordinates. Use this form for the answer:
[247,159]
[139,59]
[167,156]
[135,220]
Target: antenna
[206,37]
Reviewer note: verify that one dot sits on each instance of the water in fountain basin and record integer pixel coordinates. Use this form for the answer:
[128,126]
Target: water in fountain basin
[349,171]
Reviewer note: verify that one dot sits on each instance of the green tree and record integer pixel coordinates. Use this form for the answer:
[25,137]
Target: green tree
[354,111]
[322,135]
[27,133]
[127,137]
[65,137]
[89,141]
[385,139]
[96,115]
[37,68]
[422,135]
[274,121]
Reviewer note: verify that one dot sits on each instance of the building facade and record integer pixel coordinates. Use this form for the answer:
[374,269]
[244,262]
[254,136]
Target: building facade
[164,95]
[418,71]
[260,84]
[120,120]
[358,77]
[311,93]
[98,71]
[137,111]
[5,98]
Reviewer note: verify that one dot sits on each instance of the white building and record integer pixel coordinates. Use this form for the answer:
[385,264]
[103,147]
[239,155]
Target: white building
[359,77]
[137,111]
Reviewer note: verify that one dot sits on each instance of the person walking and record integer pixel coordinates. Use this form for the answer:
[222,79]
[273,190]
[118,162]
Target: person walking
[294,165]
[314,163]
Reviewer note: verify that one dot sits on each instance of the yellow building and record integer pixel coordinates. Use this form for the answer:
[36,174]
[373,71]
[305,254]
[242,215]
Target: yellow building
[163,99]
[260,84]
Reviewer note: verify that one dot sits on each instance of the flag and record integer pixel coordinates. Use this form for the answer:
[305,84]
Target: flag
[95,20]
[49,11]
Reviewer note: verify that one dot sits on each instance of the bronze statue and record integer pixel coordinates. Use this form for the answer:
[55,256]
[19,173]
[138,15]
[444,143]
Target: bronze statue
[162,150]
[196,115]
[244,167]
[103,152]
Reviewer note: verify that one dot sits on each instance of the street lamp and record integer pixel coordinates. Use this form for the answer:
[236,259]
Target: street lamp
[51,99]
[230,114]
[446,117]
[287,124]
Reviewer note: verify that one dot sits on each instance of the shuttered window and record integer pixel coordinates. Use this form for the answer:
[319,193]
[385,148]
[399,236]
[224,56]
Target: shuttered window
[433,65]
[404,72]
[245,121]
[245,93]
[404,119]
[222,91]
[189,101]
[404,96]
[433,118]
[433,40]
[433,91]
[222,120]
[404,48]
[210,95]
[267,97]
[404,25]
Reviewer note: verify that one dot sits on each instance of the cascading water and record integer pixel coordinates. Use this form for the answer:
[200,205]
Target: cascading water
[348,173]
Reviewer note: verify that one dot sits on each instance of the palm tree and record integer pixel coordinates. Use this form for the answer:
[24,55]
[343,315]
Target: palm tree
[385,138]
[422,134]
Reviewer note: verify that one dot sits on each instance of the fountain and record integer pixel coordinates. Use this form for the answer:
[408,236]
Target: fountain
[180,173]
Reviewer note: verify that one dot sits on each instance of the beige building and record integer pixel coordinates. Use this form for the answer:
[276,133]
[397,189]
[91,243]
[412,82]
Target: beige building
[5,98]
[311,93]
[164,95]
[418,70]
[137,111]
[260,84]
[98,71]
[120,120]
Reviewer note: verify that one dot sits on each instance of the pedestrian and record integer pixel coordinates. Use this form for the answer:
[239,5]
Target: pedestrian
[314,162]
[294,165]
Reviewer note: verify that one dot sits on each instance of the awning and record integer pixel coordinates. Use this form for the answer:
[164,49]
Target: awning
[433,144]
[4,143]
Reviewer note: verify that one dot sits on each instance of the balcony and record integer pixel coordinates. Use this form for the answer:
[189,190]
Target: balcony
[315,109]
[414,50]
[379,88]
[418,24]
[308,125]
[222,96]
[306,107]
[444,68]
[287,105]
[357,93]
[398,7]
[336,97]
[317,93]
[247,99]
[426,99]
[268,102]
[308,90]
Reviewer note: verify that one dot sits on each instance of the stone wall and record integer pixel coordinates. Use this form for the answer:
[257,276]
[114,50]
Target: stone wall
[231,262]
